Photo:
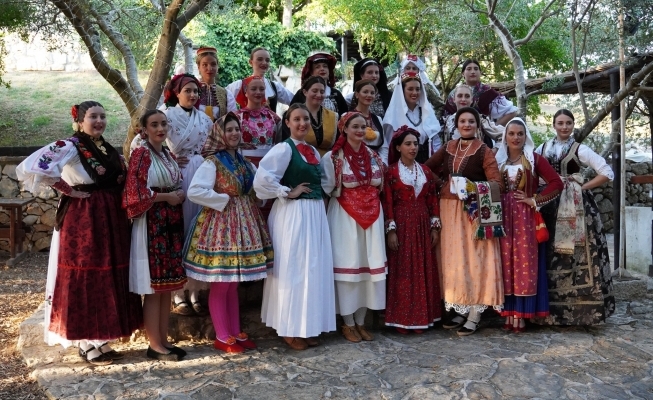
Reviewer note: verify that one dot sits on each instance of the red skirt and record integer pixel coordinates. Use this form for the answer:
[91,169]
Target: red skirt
[413,285]
[91,296]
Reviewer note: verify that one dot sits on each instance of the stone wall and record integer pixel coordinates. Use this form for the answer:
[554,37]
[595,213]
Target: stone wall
[636,195]
[35,56]
[39,216]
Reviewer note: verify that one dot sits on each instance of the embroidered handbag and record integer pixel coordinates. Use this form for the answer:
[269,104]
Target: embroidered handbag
[541,233]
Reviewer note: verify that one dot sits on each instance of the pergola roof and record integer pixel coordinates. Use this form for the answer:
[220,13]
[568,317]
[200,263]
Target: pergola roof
[595,79]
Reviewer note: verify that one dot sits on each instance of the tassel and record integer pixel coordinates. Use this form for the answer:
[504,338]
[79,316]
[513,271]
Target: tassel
[209,111]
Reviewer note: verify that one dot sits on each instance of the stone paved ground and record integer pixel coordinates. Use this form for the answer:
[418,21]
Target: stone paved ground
[612,361]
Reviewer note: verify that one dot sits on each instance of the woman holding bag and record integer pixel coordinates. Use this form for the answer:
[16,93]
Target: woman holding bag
[524,278]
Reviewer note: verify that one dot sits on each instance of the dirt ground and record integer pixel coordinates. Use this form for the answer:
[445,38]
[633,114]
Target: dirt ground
[21,292]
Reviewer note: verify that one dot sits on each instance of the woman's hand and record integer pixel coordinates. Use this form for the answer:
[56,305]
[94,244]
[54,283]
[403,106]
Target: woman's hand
[520,196]
[79,194]
[393,241]
[182,196]
[435,237]
[182,161]
[298,190]
[172,198]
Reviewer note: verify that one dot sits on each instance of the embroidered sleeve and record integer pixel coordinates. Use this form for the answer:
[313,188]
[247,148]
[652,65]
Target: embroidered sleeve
[553,182]
[386,196]
[432,200]
[137,197]
[328,181]
[44,167]
[63,187]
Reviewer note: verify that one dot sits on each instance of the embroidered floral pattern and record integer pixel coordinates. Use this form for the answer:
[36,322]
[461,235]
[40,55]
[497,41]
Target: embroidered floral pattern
[47,157]
[89,158]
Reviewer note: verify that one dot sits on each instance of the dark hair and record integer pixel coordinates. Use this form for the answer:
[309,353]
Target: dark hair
[399,139]
[142,121]
[199,57]
[251,55]
[83,107]
[312,81]
[471,61]
[563,111]
[231,117]
[516,122]
[362,83]
[470,110]
[293,107]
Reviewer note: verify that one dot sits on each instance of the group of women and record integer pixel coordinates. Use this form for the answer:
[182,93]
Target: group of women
[343,204]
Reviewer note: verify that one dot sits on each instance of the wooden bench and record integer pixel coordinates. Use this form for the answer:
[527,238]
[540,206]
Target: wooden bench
[15,232]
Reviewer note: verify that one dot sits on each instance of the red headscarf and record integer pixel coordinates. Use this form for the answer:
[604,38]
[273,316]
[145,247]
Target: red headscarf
[174,87]
[394,155]
[241,99]
[328,59]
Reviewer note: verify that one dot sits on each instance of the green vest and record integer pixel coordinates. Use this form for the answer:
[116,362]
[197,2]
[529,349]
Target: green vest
[299,171]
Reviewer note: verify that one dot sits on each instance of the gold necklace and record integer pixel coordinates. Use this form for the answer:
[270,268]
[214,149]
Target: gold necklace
[99,143]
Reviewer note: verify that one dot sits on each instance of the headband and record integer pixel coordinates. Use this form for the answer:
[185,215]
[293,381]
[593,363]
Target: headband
[203,50]
[410,75]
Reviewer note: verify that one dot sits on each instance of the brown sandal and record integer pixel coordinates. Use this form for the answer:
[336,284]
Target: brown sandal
[296,343]
[350,333]
[364,334]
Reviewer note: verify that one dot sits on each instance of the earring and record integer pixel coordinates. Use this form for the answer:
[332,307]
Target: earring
[75,126]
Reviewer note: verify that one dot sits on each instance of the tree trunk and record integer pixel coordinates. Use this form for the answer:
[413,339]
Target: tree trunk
[286,19]
[187,47]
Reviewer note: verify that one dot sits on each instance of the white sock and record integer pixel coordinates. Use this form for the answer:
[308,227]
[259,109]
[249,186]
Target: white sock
[349,319]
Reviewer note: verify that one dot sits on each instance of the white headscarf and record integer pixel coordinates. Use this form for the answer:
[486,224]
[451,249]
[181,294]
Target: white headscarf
[529,146]
[410,58]
[395,115]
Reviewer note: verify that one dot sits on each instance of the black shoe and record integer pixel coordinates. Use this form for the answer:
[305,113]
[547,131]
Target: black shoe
[151,353]
[112,353]
[178,351]
[102,359]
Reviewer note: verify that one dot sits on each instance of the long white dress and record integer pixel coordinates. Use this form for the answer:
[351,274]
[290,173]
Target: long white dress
[298,296]
[359,258]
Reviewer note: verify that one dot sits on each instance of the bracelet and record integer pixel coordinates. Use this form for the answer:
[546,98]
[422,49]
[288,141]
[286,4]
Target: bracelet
[436,224]
[392,226]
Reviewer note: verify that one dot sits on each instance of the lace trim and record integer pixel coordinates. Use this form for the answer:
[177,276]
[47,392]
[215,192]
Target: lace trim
[414,177]
[465,309]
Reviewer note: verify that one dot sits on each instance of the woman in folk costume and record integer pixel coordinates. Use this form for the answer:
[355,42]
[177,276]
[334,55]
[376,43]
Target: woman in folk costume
[486,100]
[323,65]
[489,133]
[257,121]
[578,264]
[412,63]
[470,208]
[409,107]
[412,217]
[324,122]
[275,92]
[241,250]
[298,296]
[153,198]
[215,101]
[370,69]
[524,271]
[365,93]
[353,178]
[189,131]
[87,291]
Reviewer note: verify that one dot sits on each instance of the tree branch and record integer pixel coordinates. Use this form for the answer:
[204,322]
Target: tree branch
[119,43]
[633,82]
[78,18]
[545,15]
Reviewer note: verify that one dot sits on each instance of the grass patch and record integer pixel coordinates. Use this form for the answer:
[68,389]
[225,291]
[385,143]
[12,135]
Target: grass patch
[35,111]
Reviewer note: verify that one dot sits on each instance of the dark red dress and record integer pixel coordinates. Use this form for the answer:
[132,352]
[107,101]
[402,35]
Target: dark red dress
[413,288]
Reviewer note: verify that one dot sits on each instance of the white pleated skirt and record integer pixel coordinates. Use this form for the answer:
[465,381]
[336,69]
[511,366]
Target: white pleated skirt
[299,295]
[359,252]
[139,263]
